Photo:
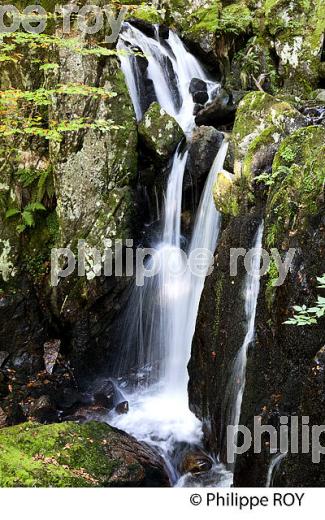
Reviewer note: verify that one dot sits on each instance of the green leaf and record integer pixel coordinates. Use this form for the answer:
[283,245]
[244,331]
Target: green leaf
[21,228]
[28,218]
[49,66]
[35,206]
[12,212]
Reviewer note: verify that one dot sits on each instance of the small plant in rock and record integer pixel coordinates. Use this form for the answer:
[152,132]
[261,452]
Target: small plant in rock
[309,316]
[270,179]
[26,216]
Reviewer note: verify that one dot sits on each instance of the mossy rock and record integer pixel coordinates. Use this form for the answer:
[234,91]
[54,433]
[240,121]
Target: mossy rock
[159,131]
[261,119]
[298,31]
[74,455]
[234,19]
[298,193]
[87,174]
[225,194]
[148,13]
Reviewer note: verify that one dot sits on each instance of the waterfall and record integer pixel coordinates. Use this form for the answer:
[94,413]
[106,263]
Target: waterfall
[205,236]
[161,316]
[236,386]
[170,69]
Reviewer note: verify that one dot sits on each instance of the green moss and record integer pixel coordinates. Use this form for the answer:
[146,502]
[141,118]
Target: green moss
[234,19]
[58,455]
[204,19]
[270,290]
[148,13]
[297,195]
[297,28]
[36,254]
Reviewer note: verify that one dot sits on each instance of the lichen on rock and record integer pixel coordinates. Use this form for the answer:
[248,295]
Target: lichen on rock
[160,132]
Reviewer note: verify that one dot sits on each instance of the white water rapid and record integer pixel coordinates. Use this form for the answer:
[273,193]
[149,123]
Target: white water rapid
[161,316]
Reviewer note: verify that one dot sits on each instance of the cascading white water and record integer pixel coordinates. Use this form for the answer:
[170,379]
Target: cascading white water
[159,413]
[236,386]
[161,315]
[178,104]
[205,236]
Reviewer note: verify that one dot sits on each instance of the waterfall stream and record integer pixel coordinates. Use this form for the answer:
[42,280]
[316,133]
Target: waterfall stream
[236,386]
[161,316]
[170,69]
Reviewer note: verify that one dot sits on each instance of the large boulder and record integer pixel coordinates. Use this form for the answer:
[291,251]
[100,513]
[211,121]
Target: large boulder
[262,121]
[204,147]
[160,132]
[74,455]
[297,29]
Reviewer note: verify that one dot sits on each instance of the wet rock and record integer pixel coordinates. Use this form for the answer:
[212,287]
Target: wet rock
[205,144]
[315,115]
[15,413]
[197,85]
[163,31]
[197,109]
[94,455]
[145,27]
[68,398]
[200,97]
[26,362]
[160,132]
[221,111]
[3,357]
[43,410]
[91,412]
[105,395]
[172,81]
[196,463]
[3,418]
[51,352]
[122,408]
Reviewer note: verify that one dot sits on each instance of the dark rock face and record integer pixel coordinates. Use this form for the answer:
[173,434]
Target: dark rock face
[200,97]
[284,373]
[146,27]
[215,347]
[285,365]
[197,85]
[220,112]
[122,408]
[199,90]
[204,147]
